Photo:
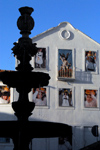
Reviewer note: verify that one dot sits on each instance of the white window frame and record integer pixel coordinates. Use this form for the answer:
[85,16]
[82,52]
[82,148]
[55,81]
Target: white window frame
[57,98]
[82,98]
[47,61]
[73,60]
[97,61]
[64,36]
[47,95]
[11,96]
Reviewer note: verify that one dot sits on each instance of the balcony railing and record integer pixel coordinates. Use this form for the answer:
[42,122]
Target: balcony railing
[66,74]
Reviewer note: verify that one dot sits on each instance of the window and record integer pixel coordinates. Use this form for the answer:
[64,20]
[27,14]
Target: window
[5,97]
[90,98]
[40,59]
[65,97]
[40,96]
[65,64]
[91,61]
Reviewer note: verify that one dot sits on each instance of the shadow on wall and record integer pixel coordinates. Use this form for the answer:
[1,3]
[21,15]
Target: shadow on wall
[82,137]
[71,36]
[83,77]
[39,130]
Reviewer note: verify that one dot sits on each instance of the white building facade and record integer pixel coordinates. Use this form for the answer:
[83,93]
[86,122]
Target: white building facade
[71,58]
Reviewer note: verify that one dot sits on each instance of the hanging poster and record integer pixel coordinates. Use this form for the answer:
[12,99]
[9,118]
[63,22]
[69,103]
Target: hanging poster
[39,96]
[40,58]
[90,61]
[65,64]
[90,98]
[4,95]
[65,97]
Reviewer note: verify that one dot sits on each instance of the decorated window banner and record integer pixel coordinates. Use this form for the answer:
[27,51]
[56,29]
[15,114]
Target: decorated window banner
[90,98]
[90,61]
[40,58]
[39,96]
[65,65]
[4,95]
[65,97]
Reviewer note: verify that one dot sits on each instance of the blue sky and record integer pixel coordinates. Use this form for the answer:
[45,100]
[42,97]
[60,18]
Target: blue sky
[82,14]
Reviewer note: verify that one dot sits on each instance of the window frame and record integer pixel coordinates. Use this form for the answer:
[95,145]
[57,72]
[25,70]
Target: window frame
[47,62]
[73,98]
[47,96]
[82,98]
[11,96]
[73,67]
[97,61]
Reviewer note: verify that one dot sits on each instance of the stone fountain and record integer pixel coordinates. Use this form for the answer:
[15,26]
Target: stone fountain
[24,79]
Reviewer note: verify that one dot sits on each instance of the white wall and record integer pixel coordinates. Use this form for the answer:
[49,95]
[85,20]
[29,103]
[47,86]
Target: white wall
[76,116]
